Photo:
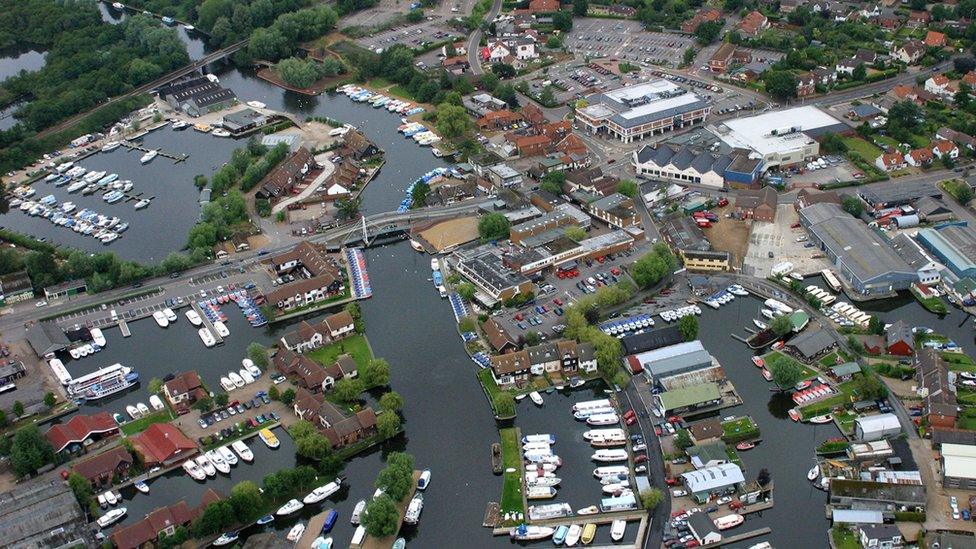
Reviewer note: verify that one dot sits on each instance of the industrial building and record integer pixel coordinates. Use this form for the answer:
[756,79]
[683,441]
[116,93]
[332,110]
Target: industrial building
[876,427]
[43,513]
[782,137]
[562,215]
[635,112]
[864,259]
[885,195]
[688,241]
[694,398]
[959,466]
[671,360]
[713,481]
[954,246]
[686,164]
[553,248]
[494,281]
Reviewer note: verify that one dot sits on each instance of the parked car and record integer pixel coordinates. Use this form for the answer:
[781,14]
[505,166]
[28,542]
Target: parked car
[679,493]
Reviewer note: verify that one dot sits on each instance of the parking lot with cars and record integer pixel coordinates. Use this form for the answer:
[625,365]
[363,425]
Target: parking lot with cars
[433,29]
[626,40]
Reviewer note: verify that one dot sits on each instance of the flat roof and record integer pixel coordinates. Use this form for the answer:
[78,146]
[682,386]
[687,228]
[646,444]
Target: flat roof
[689,396]
[776,131]
[959,460]
[634,105]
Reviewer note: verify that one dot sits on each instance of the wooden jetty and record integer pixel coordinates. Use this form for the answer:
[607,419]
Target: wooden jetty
[496,459]
[175,158]
[739,338]
[492,515]
[124,328]
[206,323]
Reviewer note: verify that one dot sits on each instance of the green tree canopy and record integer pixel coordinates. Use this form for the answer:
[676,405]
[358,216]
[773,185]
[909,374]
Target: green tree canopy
[688,326]
[375,373]
[553,182]
[786,372]
[780,84]
[30,451]
[651,498]
[781,325]
[387,424]
[853,206]
[347,390]
[493,226]
[381,517]
[627,187]
[391,401]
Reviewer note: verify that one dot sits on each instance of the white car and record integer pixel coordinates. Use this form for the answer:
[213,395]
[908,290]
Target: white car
[679,493]
[723,500]
[41,303]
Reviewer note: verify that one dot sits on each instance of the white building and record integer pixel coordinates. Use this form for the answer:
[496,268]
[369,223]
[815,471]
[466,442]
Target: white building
[635,112]
[876,427]
[780,138]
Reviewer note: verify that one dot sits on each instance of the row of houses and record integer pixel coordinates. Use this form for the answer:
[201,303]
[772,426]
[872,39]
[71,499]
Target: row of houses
[315,276]
[565,357]
[340,428]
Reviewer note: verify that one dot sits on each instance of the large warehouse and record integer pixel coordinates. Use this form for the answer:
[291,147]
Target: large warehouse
[954,245]
[780,138]
[671,360]
[865,260]
[634,112]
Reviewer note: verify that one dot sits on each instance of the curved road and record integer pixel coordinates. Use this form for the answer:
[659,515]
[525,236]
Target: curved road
[475,39]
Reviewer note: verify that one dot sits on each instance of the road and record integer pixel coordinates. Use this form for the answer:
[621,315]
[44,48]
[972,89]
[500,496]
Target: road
[474,41]
[655,459]
[188,281]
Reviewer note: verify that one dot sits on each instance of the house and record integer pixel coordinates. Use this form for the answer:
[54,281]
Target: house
[308,337]
[935,39]
[511,368]
[716,481]
[708,430]
[844,372]
[15,287]
[957,137]
[501,119]
[183,390]
[937,84]
[316,277]
[918,19]
[543,6]
[864,112]
[701,16]
[592,180]
[879,536]
[824,77]
[498,337]
[285,176]
[753,24]
[806,84]
[899,339]
[939,404]
[944,148]
[919,157]
[910,52]
[101,470]
[708,455]
[890,161]
[456,65]
[572,145]
[81,431]
[722,58]
[759,205]
[357,146]
[532,145]
[162,444]
[161,521]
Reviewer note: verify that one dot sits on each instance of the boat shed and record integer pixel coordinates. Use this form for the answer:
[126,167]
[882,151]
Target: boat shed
[845,371]
[959,466]
[717,480]
[654,339]
[46,338]
[811,344]
[857,516]
[876,427]
[688,399]
[703,529]
[671,360]
[65,289]
[243,120]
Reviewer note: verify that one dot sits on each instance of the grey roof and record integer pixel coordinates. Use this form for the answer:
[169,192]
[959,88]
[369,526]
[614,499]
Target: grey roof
[909,251]
[929,206]
[658,115]
[886,194]
[712,478]
[701,525]
[845,369]
[863,252]
[899,331]
[864,110]
[877,491]
[881,532]
[41,514]
[684,234]
[684,157]
[812,342]
[674,359]
[654,339]
[46,338]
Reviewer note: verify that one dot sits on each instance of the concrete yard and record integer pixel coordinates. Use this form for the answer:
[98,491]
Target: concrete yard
[779,241]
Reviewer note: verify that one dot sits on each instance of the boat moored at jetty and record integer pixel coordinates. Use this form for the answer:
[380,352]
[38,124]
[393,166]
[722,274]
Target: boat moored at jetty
[241,449]
[549,511]
[111,517]
[414,509]
[160,318]
[587,404]
[208,339]
[322,492]
[269,438]
[729,521]
[609,455]
[289,508]
[103,382]
[525,532]
[193,317]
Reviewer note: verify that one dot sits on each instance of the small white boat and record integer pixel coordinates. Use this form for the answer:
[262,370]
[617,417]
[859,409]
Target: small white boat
[357,511]
[322,492]
[101,501]
[193,317]
[609,455]
[573,536]
[759,324]
[110,146]
[246,376]
[206,465]
[142,486]
[227,384]
[110,498]
[256,104]
[296,532]
[291,507]
[111,517]
[434,264]
[220,132]
[160,319]
[181,124]
[414,509]
[540,492]
[236,379]
[143,409]
[617,529]
[528,533]
[221,328]
[591,510]
[226,538]
[156,402]
[98,337]
[813,473]
[241,449]
[536,398]
[424,480]
[218,462]
[132,411]
[229,457]
[148,157]
[142,203]
[193,470]
[208,339]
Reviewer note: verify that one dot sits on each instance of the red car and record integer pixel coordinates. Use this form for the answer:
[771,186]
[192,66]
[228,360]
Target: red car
[657,431]
[629,413]
[615,271]
[671,481]
[601,259]
[519,316]
[723,202]
[691,543]
[630,420]
[558,302]
[795,226]
[674,419]
[561,275]
[640,458]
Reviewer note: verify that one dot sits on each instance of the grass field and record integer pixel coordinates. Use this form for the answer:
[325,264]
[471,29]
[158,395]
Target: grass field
[356,345]
[739,426]
[844,539]
[511,490]
[774,359]
[143,423]
[867,150]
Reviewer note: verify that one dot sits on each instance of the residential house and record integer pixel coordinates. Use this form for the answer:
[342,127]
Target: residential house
[81,431]
[899,339]
[456,65]
[934,39]
[703,529]
[888,21]
[591,180]
[161,521]
[919,157]
[705,431]
[705,15]
[944,148]
[759,205]
[532,145]
[890,161]
[939,405]
[572,145]
[753,24]
[918,19]
[285,176]
[317,277]
[498,337]
[822,76]
[162,444]
[308,337]
[938,84]
[510,369]
[957,137]
[879,536]
[183,390]
[501,119]
[806,84]
[721,60]
[357,146]
[910,52]
[100,470]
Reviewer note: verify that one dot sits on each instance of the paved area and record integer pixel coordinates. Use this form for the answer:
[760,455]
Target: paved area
[191,428]
[415,35]
[772,243]
[626,40]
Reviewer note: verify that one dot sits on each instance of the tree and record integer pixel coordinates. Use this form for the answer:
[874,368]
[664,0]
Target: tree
[489,81]
[653,266]
[391,401]
[575,233]
[860,72]
[349,207]
[554,43]
[18,408]
[688,326]
[215,518]
[651,498]
[869,387]
[707,32]
[781,325]
[415,16]
[831,143]
[395,480]
[288,396]
[493,226]
[300,429]
[258,355]
[853,206]
[547,97]
[553,182]
[506,92]
[381,517]
[504,404]
[682,439]
[466,290]
[532,338]
[786,372]
[347,390]
[627,188]
[418,196]
[81,487]
[875,325]
[30,450]
[580,7]
[204,403]
[780,84]
[503,70]
[274,393]
[313,446]
[387,424]
[452,120]
[375,373]
[221,399]
[50,400]
[963,65]
[689,56]
[562,20]
[300,73]
[246,499]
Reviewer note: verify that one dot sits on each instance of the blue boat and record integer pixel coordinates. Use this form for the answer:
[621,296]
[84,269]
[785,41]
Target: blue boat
[330,520]
[438,278]
[560,535]
[265,519]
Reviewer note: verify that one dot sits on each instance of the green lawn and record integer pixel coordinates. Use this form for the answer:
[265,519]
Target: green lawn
[830,360]
[846,421]
[844,539]
[967,420]
[356,345]
[867,150]
[511,490]
[959,362]
[840,399]
[736,426]
[143,423]
[889,141]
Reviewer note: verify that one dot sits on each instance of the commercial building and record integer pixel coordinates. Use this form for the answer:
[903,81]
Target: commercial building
[80,431]
[863,258]
[886,497]
[876,427]
[688,399]
[929,270]
[759,205]
[43,513]
[671,360]
[635,112]
[883,195]
[552,248]
[494,281]
[46,338]
[959,466]
[954,245]
[616,210]
[562,215]
[688,241]
[243,120]
[15,287]
[713,481]
[782,137]
[197,96]
[687,164]
[653,339]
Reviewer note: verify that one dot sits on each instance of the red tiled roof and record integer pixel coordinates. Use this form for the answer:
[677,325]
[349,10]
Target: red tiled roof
[935,39]
[753,22]
[536,6]
[79,428]
[102,464]
[161,518]
[162,442]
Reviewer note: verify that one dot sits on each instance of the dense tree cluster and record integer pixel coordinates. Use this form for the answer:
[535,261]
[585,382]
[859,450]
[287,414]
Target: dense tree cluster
[493,226]
[396,65]
[653,266]
[302,73]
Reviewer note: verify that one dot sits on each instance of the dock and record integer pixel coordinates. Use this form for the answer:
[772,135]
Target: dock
[740,537]
[739,338]
[312,529]
[124,327]
[598,519]
[175,158]
[492,515]
[206,323]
